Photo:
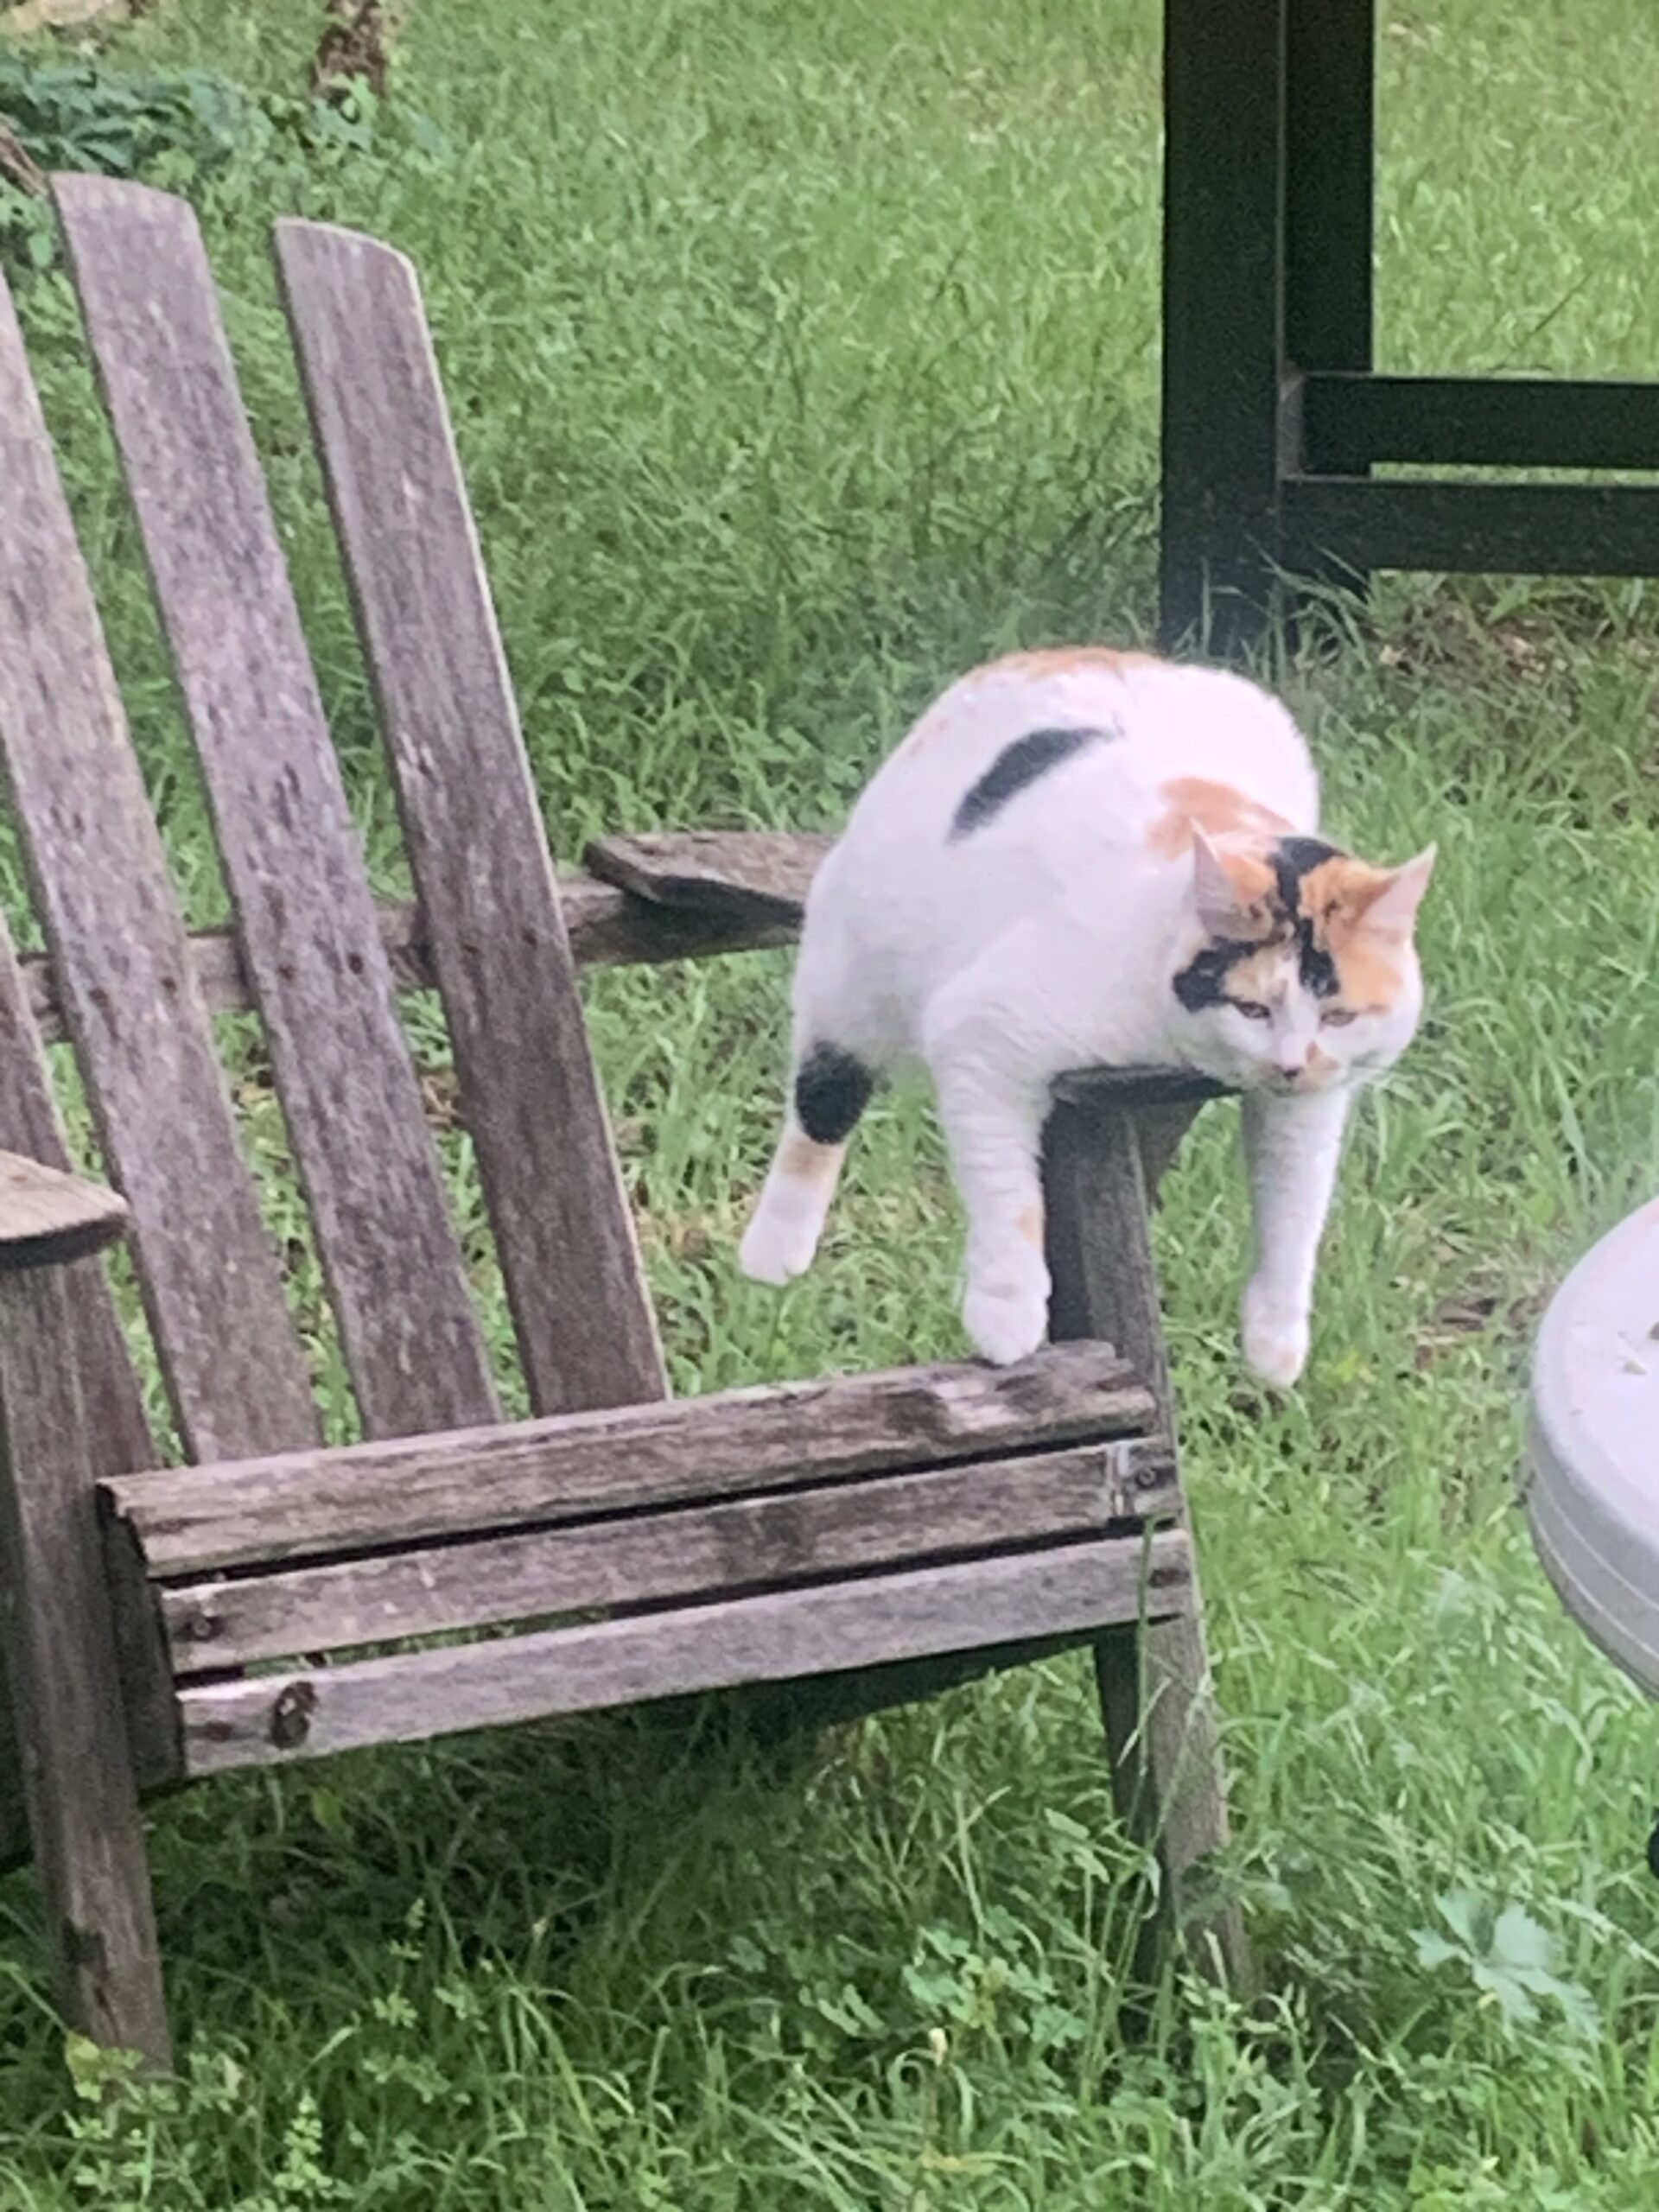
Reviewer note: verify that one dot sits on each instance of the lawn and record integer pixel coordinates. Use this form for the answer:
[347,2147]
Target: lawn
[800,357]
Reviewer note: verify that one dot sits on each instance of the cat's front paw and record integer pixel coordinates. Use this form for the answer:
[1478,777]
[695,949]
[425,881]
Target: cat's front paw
[1275,1339]
[1006,1321]
[778,1245]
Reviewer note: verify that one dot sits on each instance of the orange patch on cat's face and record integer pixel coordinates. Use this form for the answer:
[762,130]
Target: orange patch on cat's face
[1262,977]
[1193,802]
[1255,887]
[1335,898]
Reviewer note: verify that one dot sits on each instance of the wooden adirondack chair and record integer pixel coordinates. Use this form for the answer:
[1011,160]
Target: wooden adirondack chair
[888,1532]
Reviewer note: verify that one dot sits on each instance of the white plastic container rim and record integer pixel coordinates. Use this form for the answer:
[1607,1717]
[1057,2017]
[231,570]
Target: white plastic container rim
[1592,1496]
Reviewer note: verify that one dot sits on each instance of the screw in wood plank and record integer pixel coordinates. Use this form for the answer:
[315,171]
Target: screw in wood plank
[290,1716]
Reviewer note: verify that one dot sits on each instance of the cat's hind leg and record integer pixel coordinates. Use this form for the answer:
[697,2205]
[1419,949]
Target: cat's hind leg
[829,1087]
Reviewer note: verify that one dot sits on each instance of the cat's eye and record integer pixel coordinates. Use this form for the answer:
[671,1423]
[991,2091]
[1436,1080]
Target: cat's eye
[1336,1017]
[1252,1009]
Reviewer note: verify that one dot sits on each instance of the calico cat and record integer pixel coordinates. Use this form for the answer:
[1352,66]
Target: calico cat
[1090,858]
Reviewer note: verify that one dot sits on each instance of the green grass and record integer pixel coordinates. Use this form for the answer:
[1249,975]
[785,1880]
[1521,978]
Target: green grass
[800,357]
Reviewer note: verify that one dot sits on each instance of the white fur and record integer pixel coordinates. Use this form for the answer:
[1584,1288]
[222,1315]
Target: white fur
[1049,938]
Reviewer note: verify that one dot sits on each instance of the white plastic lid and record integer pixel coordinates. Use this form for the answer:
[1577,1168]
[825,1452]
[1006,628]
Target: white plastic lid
[1593,1443]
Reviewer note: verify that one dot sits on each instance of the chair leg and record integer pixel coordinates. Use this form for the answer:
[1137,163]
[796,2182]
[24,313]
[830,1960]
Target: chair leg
[14,1815]
[58,1648]
[1155,1689]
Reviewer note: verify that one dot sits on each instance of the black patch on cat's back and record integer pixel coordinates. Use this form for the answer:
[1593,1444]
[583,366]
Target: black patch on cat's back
[832,1089]
[1014,766]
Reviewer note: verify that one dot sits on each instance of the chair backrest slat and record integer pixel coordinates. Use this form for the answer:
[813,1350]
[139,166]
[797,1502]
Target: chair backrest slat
[211,1285]
[293,862]
[29,1125]
[471,821]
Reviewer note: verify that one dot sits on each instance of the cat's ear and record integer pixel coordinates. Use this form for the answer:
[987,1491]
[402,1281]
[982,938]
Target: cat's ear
[1226,887]
[1392,908]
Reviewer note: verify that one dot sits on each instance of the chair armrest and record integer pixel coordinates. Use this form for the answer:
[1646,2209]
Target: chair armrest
[46,1217]
[757,876]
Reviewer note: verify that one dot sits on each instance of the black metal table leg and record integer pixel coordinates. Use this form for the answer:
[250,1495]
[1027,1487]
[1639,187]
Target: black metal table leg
[1329,217]
[1224,307]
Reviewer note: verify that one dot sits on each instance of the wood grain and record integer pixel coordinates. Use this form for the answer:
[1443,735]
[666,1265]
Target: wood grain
[95,1349]
[704,1551]
[29,1124]
[274,1719]
[46,1217]
[1108,1089]
[607,928]
[310,940]
[60,1663]
[1156,1694]
[365,1498]
[530,1094]
[211,1283]
[764,876]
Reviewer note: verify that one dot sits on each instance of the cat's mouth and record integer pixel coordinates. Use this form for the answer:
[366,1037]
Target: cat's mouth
[1304,1085]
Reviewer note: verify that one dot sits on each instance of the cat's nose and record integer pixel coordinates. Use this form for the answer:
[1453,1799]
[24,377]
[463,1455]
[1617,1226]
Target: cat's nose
[1292,1070]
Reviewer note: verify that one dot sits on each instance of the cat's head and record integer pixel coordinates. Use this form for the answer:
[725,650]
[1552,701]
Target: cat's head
[1298,971]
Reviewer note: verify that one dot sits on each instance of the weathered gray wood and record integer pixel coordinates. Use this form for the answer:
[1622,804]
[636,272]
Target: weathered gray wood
[364,1498]
[608,929]
[1156,1694]
[1161,1127]
[96,1349]
[769,1713]
[47,1217]
[13,1812]
[763,878]
[707,1551]
[530,1094]
[61,1664]
[273,1719]
[292,861]
[29,1124]
[210,1278]
[1106,1089]
[145,1660]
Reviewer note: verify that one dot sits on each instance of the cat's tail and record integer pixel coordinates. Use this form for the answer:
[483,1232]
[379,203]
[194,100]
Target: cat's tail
[829,1090]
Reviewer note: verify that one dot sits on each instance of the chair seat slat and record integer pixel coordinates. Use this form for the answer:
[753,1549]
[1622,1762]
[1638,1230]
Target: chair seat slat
[293,863]
[211,1285]
[699,1551]
[473,828]
[362,1497]
[270,1719]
